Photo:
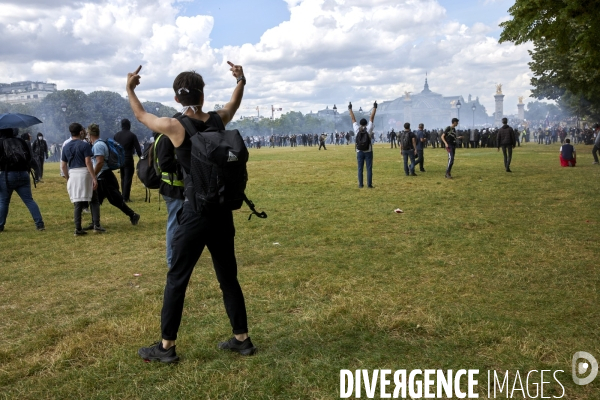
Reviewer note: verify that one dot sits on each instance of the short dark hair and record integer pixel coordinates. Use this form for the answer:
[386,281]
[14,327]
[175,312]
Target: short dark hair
[188,87]
[421,126]
[454,120]
[363,122]
[568,140]
[125,124]
[75,128]
[407,125]
[504,120]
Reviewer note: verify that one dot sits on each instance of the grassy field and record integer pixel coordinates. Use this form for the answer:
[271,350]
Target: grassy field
[489,271]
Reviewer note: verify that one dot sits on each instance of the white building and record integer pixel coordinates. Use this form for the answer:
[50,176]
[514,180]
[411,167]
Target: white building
[25,92]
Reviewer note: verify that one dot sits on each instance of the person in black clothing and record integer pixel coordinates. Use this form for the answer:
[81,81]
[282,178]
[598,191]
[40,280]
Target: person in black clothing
[14,177]
[408,148]
[505,138]
[449,138]
[171,185]
[130,143]
[393,139]
[40,152]
[208,228]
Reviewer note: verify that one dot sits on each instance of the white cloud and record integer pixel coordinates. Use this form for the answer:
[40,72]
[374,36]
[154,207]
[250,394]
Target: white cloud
[330,51]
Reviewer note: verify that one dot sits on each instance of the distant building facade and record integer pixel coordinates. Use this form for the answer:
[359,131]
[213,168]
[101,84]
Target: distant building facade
[427,107]
[25,92]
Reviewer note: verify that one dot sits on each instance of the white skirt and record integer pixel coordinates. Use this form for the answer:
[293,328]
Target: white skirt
[80,185]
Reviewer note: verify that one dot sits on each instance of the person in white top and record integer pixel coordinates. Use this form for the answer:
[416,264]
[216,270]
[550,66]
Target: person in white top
[364,147]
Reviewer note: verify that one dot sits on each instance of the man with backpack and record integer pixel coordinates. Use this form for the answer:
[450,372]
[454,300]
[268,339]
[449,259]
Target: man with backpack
[201,223]
[449,139]
[108,187]
[40,151]
[15,164]
[408,147]
[364,148]
[505,138]
[130,143]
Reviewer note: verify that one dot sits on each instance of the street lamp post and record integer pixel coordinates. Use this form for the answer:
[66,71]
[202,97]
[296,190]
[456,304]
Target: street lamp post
[473,108]
[63,107]
[458,108]
[334,118]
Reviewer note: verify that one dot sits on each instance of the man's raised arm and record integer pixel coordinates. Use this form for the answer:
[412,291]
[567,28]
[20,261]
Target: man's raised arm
[168,126]
[229,110]
[351,113]
[373,111]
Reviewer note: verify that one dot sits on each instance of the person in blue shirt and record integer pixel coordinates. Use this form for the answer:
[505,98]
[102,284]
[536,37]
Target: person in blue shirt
[76,166]
[567,154]
[108,186]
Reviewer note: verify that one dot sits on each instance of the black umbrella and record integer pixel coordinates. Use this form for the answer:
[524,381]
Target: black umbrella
[16,120]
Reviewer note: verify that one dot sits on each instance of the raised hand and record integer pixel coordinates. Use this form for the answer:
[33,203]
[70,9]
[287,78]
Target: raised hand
[133,79]
[350,106]
[236,70]
[375,104]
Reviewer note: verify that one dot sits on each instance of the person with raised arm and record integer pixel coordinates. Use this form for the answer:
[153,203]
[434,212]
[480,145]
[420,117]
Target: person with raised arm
[213,229]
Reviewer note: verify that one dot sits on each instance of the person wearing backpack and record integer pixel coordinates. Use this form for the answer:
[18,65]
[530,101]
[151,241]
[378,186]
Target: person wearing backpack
[15,164]
[449,139]
[171,185]
[364,148]
[408,148]
[209,225]
[130,143]
[108,186]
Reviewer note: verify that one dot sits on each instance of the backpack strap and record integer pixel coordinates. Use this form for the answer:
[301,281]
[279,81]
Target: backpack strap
[254,212]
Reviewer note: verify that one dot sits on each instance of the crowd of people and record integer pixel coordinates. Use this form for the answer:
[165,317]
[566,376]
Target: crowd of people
[194,223]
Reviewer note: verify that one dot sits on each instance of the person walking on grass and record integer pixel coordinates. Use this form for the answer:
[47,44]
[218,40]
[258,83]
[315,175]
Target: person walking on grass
[363,144]
[211,226]
[596,147]
[76,166]
[322,139]
[15,164]
[408,148]
[40,152]
[505,138]
[130,144]
[449,139]
[108,187]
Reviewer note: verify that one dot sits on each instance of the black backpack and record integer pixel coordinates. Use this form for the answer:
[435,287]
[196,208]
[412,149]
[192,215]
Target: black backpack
[405,140]
[15,155]
[363,140]
[218,174]
[146,170]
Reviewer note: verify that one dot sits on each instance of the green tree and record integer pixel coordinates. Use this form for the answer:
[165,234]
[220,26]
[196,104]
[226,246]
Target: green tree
[566,54]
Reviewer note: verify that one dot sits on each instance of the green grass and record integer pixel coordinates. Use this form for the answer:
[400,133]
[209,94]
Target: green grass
[487,271]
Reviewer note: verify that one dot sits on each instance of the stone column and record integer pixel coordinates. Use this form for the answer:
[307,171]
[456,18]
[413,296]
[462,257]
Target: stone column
[521,108]
[499,109]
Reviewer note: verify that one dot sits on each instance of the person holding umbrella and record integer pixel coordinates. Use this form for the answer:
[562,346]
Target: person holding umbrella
[15,164]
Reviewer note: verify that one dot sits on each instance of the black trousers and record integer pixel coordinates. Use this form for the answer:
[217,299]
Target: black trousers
[127,177]
[81,205]
[507,152]
[214,230]
[451,151]
[108,188]
[322,144]
[40,160]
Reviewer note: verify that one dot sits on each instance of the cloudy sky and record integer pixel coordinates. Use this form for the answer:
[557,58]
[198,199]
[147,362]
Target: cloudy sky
[299,55]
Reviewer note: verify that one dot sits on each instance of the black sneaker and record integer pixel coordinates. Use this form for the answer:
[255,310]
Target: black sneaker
[245,348]
[41,227]
[413,174]
[508,170]
[135,218]
[98,229]
[156,353]
[80,232]
[422,170]
[89,227]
